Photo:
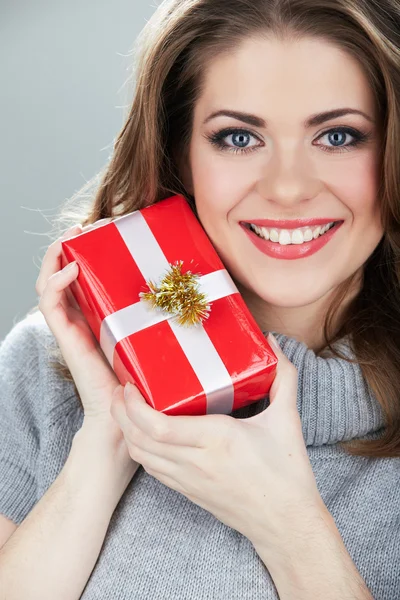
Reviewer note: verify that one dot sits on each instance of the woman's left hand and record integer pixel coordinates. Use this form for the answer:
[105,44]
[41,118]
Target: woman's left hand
[252,474]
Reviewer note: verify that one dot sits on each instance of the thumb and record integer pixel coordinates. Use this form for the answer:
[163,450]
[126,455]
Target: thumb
[282,409]
[284,387]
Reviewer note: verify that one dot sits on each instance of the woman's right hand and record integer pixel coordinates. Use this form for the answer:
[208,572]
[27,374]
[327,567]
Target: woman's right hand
[93,376]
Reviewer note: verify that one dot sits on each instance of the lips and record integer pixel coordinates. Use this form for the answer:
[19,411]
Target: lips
[291,251]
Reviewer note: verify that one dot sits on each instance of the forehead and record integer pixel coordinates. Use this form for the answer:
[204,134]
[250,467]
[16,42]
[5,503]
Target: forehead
[272,78]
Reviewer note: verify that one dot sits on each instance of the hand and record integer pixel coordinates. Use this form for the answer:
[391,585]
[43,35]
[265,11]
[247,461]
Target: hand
[92,374]
[252,474]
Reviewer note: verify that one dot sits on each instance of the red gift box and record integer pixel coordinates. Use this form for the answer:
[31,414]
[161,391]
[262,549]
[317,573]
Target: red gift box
[217,366]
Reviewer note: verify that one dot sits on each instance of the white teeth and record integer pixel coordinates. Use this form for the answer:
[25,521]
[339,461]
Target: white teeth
[284,237]
[316,232]
[297,237]
[260,232]
[308,235]
[273,235]
[292,236]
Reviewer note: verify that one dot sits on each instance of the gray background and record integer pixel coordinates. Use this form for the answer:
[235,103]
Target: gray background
[63,66]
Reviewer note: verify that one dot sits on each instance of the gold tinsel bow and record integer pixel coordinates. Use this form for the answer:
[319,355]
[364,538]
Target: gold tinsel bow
[178,293]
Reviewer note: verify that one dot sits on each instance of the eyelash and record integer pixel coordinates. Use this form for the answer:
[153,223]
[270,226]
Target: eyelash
[216,138]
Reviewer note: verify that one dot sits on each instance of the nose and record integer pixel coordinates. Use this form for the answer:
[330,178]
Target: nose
[290,178]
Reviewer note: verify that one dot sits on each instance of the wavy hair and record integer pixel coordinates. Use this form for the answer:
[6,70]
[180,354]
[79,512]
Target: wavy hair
[170,55]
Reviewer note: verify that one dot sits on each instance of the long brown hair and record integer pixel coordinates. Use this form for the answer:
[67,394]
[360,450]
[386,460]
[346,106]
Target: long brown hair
[170,54]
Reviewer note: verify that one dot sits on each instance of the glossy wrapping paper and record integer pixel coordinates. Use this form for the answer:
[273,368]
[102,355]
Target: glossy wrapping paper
[211,368]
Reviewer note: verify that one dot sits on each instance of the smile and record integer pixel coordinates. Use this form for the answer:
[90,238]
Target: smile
[291,236]
[291,243]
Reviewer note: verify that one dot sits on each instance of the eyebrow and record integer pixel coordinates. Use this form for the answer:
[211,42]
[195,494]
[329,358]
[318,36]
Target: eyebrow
[312,121]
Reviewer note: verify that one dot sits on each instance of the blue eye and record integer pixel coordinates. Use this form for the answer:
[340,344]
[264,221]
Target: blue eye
[337,137]
[333,137]
[241,137]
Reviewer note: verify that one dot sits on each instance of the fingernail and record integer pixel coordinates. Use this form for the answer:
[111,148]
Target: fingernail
[127,390]
[70,266]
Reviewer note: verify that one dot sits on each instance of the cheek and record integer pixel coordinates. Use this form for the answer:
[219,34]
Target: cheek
[219,183]
[355,183]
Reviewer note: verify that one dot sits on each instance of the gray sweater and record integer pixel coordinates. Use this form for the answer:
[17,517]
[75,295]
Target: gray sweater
[159,545]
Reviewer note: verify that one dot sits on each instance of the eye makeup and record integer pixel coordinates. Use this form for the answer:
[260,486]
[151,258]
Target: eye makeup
[217,138]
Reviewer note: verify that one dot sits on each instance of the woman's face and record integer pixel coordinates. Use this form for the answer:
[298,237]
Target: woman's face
[276,165]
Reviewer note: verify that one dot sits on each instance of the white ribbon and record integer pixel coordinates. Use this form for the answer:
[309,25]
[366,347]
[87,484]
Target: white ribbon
[194,341]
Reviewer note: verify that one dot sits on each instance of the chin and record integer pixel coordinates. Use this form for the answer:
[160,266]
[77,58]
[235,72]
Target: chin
[287,297]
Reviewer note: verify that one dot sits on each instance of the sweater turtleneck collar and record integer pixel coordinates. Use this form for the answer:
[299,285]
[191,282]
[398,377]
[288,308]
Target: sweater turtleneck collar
[334,401]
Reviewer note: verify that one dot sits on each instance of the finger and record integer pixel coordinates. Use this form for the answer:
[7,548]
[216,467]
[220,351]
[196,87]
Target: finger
[50,302]
[71,231]
[51,261]
[71,298]
[142,448]
[141,442]
[192,431]
[118,412]
[157,461]
[74,230]
[285,384]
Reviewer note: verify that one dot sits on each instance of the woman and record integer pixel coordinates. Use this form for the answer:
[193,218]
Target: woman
[262,114]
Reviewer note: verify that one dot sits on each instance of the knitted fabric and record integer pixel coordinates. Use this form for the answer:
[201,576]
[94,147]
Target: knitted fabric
[161,545]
